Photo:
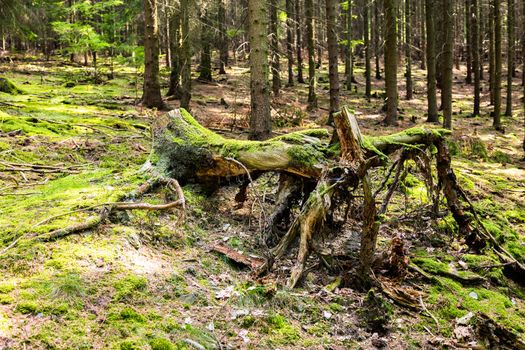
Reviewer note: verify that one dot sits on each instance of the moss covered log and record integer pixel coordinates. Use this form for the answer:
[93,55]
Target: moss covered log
[9,87]
[189,151]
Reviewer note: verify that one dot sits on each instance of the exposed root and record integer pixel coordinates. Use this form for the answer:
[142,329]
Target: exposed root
[107,208]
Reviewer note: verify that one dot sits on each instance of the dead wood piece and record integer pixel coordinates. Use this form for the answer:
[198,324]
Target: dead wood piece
[498,336]
[107,208]
[251,261]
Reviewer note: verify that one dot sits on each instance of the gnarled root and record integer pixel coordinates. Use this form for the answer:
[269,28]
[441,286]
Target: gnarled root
[108,208]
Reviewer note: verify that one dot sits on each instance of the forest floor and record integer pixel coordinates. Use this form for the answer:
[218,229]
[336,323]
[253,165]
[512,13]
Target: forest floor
[149,279]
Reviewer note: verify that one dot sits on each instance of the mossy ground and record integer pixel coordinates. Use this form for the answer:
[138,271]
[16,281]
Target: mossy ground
[146,280]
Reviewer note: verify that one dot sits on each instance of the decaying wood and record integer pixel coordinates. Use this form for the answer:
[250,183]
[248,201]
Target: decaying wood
[253,262]
[189,152]
[314,174]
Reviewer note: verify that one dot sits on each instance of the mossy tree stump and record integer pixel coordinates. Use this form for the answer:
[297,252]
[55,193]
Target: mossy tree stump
[316,172]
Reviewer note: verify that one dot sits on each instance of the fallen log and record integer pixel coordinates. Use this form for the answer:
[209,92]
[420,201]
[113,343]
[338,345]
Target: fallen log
[189,151]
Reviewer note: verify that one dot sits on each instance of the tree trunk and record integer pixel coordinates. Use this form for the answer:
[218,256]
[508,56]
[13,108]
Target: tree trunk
[376,32]
[349,50]
[492,56]
[448,61]
[185,55]
[260,119]
[474,15]
[205,66]
[366,35]
[390,10]
[431,63]
[289,39]
[510,56]
[312,82]
[408,52]
[497,65]
[223,39]
[468,39]
[274,45]
[174,88]
[151,97]
[333,71]
[298,41]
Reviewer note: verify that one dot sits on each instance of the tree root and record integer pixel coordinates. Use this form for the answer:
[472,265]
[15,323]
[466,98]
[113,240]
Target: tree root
[108,208]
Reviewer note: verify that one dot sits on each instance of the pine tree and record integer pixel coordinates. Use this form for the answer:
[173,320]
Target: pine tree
[289,40]
[333,71]
[448,61]
[185,54]
[474,15]
[431,62]
[274,45]
[510,56]
[408,52]
[390,11]
[366,37]
[151,97]
[312,83]
[260,119]
[497,65]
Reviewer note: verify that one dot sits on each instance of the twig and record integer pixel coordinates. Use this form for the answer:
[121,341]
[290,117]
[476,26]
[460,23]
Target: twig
[427,311]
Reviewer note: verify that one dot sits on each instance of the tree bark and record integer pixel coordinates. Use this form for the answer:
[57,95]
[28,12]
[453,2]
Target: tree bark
[474,15]
[497,65]
[260,119]
[151,97]
[274,45]
[468,40]
[223,38]
[333,71]
[431,63]
[185,55]
[366,35]
[510,56]
[205,66]
[390,10]
[448,61]
[298,41]
[376,31]
[174,88]
[408,52]
[312,81]
[289,39]
[349,61]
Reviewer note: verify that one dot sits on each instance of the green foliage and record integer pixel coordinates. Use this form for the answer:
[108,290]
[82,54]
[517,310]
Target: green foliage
[79,38]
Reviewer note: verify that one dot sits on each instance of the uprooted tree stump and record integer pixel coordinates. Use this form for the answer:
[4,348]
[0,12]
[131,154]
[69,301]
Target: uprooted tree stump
[316,176]
[315,173]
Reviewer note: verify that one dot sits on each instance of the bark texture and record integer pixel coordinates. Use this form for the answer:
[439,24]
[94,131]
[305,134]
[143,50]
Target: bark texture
[151,97]
[260,119]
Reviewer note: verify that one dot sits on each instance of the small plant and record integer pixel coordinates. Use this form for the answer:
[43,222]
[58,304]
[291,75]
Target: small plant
[68,287]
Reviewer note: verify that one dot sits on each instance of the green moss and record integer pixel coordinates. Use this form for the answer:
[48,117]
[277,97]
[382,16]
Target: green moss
[479,150]
[129,285]
[162,344]
[451,301]
[501,157]
[515,215]
[8,87]
[376,312]
[6,299]
[282,333]
[28,307]
[130,314]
